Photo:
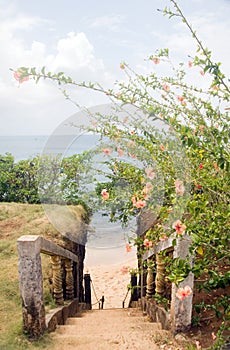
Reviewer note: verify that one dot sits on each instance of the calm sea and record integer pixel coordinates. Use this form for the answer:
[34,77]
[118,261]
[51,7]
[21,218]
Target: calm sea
[26,147]
[104,235]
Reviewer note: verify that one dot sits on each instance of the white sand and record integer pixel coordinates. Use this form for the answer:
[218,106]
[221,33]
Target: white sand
[105,268]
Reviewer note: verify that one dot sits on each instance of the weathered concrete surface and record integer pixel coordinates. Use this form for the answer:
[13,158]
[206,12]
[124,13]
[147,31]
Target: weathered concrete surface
[59,315]
[31,286]
[31,280]
[181,311]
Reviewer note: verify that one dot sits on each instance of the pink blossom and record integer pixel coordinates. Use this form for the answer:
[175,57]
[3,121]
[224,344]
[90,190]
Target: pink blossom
[201,72]
[124,270]
[132,132]
[133,155]
[147,189]
[106,151]
[162,147]
[133,199]
[179,227]
[166,87]
[128,248]
[163,237]
[18,77]
[155,60]
[190,64]
[150,172]
[198,346]
[179,186]
[183,293]
[131,144]
[180,98]
[120,152]
[147,243]
[140,203]
[105,194]
[214,336]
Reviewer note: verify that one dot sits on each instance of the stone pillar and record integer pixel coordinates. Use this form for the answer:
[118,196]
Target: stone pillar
[87,281]
[160,275]
[181,311]
[31,285]
[150,279]
[69,279]
[57,279]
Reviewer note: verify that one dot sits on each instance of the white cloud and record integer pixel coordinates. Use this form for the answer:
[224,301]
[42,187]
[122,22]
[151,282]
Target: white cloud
[110,23]
[39,108]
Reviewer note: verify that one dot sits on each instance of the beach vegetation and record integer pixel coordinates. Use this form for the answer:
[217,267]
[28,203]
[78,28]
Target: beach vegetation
[175,139]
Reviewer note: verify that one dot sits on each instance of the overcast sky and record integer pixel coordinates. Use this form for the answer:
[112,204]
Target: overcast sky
[88,39]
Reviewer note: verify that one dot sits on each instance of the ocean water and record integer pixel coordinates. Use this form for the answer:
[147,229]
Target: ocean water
[107,240]
[26,147]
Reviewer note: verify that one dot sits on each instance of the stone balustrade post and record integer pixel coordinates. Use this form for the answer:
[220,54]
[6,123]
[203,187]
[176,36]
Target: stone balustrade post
[150,279]
[160,275]
[181,311]
[57,279]
[69,279]
[31,285]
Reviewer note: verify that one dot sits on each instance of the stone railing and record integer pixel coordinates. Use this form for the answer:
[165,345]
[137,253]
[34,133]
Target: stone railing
[31,280]
[153,282]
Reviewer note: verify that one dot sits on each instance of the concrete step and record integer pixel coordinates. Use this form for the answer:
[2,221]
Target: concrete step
[107,329]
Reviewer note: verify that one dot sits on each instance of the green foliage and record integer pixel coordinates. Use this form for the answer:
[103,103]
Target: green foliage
[192,148]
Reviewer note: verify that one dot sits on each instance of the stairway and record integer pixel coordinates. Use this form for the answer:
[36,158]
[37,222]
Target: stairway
[107,329]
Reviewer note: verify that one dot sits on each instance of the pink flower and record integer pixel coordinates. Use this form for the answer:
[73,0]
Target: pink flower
[147,243]
[120,152]
[133,199]
[124,270]
[163,237]
[166,87]
[183,293]
[179,186]
[216,166]
[17,76]
[131,144]
[106,151]
[198,346]
[201,72]
[140,203]
[128,248]
[132,132]
[190,64]
[155,60]
[162,147]
[147,189]
[133,155]
[179,227]
[214,336]
[105,194]
[150,172]
[180,98]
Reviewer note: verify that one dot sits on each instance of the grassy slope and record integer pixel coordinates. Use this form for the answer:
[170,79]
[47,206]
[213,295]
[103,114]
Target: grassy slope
[17,220]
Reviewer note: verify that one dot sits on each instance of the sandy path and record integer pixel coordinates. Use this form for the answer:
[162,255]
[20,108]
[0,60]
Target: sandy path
[105,330]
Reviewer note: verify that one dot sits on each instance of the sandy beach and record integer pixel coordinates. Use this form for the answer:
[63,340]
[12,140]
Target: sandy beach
[108,269]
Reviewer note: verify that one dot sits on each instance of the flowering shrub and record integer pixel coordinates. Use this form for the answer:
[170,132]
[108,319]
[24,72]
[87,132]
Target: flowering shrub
[175,141]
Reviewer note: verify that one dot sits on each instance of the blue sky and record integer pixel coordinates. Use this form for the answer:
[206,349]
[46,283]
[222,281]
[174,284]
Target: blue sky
[88,40]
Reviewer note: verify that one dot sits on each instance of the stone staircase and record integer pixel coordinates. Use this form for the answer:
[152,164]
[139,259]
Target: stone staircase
[107,329]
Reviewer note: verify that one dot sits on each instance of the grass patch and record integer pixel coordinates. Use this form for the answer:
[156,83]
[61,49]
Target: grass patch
[18,219]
